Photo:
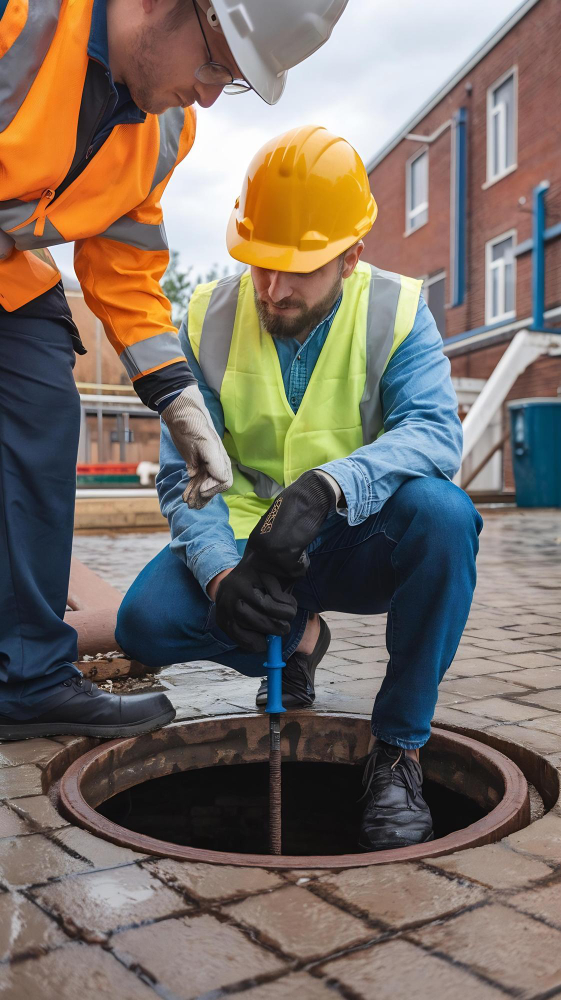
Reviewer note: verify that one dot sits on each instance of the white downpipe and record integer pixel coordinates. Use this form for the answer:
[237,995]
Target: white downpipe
[522,351]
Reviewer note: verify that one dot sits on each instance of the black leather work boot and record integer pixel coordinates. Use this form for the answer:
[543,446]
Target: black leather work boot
[85,710]
[298,676]
[395,814]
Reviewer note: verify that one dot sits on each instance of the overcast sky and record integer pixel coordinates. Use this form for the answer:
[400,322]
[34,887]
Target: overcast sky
[383,61]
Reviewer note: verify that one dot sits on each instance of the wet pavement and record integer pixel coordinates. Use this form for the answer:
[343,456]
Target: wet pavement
[82,917]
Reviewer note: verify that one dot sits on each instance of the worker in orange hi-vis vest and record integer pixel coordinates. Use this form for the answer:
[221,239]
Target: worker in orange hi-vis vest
[96,111]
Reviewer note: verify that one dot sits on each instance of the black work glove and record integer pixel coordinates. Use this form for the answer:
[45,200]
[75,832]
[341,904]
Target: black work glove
[281,537]
[253,601]
[251,604]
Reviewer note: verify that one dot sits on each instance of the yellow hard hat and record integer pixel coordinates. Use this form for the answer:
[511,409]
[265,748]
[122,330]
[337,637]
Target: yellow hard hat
[305,199]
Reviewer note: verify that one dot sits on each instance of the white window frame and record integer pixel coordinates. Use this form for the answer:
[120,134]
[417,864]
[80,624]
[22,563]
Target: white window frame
[491,265]
[431,280]
[424,206]
[491,112]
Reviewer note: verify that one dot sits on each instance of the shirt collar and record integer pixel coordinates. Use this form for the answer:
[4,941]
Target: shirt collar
[98,43]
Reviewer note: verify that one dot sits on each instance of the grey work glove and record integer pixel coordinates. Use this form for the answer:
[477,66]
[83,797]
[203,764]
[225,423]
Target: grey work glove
[193,434]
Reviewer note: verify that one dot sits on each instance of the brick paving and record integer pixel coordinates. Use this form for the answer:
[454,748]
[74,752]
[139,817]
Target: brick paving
[83,918]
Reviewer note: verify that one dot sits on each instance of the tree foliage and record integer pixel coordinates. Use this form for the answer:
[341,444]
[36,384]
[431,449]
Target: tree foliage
[178,284]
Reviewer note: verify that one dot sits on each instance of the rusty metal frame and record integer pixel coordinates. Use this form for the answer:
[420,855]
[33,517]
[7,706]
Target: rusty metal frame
[480,771]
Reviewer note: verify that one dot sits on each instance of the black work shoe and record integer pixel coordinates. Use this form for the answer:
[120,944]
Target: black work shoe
[396,814]
[92,712]
[298,676]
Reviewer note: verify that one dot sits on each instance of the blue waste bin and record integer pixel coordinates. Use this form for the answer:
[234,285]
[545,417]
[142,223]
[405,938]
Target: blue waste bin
[536,451]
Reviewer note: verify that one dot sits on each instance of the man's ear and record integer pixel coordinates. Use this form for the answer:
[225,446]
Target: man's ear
[351,258]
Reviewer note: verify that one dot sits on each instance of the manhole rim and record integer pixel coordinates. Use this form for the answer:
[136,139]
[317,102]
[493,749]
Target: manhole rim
[502,820]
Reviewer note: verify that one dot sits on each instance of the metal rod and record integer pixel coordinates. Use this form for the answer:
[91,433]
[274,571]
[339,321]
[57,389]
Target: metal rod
[275,794]
[274,707]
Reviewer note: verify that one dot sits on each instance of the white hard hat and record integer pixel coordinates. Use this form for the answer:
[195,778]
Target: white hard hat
[268,37]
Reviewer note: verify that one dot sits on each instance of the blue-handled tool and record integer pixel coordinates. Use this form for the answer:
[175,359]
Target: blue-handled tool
[274,707]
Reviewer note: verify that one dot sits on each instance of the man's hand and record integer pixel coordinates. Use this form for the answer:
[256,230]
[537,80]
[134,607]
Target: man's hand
[280,539]
[196,440]
[214,584]
[251,604]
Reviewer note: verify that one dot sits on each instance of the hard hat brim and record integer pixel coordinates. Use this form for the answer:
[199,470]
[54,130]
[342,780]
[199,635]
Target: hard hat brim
[268,85]
[281,258]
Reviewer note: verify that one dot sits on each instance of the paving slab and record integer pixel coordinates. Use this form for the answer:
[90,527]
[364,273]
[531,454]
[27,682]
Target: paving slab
[500,708]
[38,752]
[542,838]
[475,666]
[296,985]
[213,882]
[25,929]
[482,686]
[512,949]
[299,923]
[544,699]
[40,812]
[397,970]
[101,853]
[75,971]
[99,902]
[544,903]
[194,955]
[400,895]
[35,859]
[24,779]
[494,866]
[534,739]
[10,823]
[535,677]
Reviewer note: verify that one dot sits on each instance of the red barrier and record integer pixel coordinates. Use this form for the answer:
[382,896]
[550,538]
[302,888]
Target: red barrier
[106,468]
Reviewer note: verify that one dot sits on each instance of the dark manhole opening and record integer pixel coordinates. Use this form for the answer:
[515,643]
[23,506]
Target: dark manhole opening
[225,808]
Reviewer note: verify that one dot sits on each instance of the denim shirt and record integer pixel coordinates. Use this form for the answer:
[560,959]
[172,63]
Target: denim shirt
[423,437]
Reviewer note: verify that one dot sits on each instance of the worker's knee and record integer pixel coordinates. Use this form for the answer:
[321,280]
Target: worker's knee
[439,511]
[139,631]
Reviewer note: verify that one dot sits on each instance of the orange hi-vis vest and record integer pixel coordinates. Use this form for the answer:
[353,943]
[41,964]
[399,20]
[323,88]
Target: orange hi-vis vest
[111,209]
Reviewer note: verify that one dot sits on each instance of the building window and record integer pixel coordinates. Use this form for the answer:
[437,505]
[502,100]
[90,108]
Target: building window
[417,191]
[500,301]
[501,127]
[433,292]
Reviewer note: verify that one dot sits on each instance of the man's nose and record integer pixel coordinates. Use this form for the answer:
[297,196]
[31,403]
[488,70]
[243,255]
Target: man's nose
[207,95]
[279,286]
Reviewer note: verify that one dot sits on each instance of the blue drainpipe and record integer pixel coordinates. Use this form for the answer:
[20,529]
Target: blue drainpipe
[538,256]
[460,208]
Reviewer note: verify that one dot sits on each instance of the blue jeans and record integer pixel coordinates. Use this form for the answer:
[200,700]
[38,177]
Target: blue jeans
[39,430]
[415,559]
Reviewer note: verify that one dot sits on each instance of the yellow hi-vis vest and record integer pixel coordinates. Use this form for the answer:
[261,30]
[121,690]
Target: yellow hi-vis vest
[270,445]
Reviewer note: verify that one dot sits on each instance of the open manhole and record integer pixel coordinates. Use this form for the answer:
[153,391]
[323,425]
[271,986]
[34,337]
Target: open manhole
[199,791]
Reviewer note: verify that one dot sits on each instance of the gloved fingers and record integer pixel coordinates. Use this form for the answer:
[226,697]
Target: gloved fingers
[248,617]
[279,590]
[201,488]
[252,642]
[277,604]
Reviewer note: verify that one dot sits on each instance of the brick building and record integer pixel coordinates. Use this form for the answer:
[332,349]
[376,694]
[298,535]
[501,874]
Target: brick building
[114,415]
[469,195]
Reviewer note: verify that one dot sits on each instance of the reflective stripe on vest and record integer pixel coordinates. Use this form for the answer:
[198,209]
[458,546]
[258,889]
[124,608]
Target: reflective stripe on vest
[22,61]
[269,445]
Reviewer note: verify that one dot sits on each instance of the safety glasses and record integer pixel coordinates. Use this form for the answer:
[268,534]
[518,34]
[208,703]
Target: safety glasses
[214,74]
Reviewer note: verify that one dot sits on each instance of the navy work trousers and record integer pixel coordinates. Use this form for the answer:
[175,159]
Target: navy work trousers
[414,559]
[39,431]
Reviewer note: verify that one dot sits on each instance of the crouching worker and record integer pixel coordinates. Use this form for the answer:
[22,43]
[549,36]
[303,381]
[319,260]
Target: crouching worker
[326,379]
